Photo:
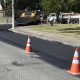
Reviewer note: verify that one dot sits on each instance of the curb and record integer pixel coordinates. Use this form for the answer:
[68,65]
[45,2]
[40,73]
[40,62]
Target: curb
[49,38]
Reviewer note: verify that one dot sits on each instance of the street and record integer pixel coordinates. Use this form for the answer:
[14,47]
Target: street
[16,65]
[39,40]
[48,60]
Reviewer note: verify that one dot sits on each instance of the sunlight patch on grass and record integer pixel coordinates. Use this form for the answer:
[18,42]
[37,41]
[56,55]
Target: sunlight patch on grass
[44,28]
[57,28]
[63,29]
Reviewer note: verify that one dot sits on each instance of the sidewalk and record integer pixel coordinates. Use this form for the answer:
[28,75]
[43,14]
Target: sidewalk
[73,41]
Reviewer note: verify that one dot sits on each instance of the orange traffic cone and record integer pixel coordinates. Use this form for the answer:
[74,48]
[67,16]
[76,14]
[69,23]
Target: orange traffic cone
[75,67]
[28,46]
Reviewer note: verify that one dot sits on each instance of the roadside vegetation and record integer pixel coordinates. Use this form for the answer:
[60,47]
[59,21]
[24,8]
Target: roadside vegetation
[46,5]
[64,29]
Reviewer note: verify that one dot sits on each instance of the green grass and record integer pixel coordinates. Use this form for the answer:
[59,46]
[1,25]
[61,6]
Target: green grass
[65,29]
[57,27]
[44,28]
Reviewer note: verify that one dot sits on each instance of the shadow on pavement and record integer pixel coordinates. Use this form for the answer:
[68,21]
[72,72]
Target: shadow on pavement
[5,27]
[57,54]
[71,30]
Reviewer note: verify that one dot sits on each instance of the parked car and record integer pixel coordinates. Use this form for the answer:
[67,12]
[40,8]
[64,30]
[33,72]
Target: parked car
[52,15]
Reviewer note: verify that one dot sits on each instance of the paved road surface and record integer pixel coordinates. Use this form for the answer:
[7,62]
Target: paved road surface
[49,61]
[15,65]
[53,48]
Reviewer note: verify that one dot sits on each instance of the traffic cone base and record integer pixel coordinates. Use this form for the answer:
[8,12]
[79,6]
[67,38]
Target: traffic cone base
[75,67]
[70,72]
[75,70]
[28,50]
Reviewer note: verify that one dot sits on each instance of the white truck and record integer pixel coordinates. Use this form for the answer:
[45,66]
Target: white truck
[65,18]
[71,17]
[52,15]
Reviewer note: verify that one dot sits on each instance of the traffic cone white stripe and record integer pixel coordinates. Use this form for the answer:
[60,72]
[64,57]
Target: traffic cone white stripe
[76,54]
[28,44]
[28,40]
[76,61]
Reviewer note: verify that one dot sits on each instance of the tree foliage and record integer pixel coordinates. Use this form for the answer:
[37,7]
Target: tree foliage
[47,5]
[22,4]
[61,5]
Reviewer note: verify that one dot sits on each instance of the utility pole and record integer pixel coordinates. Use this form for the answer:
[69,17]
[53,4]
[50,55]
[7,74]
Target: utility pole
[13,19]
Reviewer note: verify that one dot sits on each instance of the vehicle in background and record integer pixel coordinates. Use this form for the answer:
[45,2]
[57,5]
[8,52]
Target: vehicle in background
[43,18]
[24,18]
[71,17]
[64,18]
[52,15]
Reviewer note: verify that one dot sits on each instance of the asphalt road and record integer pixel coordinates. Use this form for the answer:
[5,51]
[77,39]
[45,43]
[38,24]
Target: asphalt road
[49,60]
[52,48]
[16,65]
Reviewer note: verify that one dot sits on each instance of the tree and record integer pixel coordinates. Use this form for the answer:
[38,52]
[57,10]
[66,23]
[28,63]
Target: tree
[61,5]
[22,4]
[47,5]
[51,5]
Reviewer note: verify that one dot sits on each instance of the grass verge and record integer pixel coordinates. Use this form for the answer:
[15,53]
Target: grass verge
[64,29]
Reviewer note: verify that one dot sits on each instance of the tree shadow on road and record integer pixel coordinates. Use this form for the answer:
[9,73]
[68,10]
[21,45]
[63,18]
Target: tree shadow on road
[5,27]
